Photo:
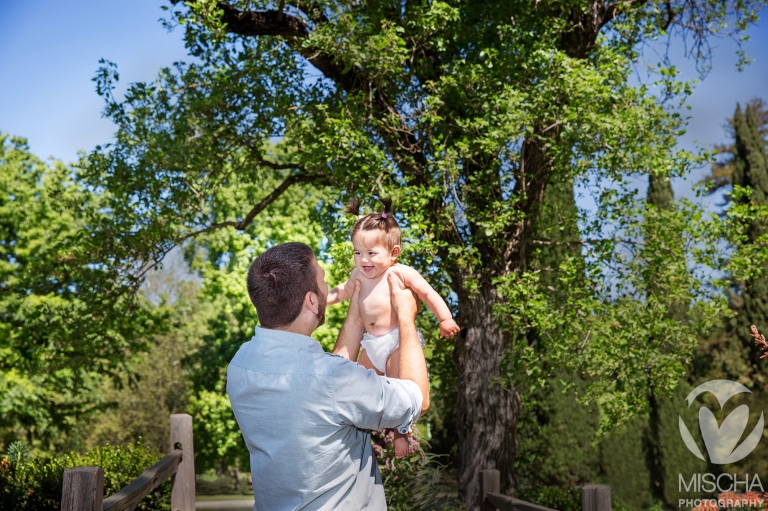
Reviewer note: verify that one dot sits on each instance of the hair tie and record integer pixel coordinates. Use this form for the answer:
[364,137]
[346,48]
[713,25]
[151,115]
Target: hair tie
[384,215]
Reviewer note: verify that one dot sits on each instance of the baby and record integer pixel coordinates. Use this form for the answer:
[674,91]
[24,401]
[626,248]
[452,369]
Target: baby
[376,241]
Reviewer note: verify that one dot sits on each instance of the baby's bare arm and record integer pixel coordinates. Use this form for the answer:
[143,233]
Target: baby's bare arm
[434,301]
[342,292]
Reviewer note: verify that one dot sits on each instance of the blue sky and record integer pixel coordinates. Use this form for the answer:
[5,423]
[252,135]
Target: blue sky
[50,52]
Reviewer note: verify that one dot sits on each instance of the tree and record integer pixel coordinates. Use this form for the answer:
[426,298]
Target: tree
[660,194]
[730,352]
[660,199]
[463,112]
[61,328]
[139,402]
[721,174]
[547,456]
[750,171]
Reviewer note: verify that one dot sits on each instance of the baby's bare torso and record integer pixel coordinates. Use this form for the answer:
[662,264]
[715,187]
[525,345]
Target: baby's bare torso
[375,307]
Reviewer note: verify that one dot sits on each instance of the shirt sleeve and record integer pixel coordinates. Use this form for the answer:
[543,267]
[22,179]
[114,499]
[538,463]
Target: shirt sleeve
[368,401]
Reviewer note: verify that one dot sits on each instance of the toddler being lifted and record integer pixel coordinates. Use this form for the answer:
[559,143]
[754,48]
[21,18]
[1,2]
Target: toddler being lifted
[376,242]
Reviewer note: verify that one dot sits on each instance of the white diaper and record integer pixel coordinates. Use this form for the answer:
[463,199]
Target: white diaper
[380,347]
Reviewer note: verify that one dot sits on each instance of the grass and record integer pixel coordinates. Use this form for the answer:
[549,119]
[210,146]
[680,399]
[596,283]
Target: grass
[210,484]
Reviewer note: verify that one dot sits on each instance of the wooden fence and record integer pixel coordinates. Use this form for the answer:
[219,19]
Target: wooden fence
[594,497]
[83,488]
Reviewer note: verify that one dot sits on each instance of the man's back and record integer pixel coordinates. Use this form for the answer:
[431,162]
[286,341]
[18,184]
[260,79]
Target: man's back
[304,415]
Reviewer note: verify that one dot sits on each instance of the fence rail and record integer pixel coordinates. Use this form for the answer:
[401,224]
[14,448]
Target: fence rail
[594,497]
[83,487]
[130,496]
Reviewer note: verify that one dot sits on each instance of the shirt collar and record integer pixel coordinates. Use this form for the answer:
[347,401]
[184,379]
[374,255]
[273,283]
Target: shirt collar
[285,338]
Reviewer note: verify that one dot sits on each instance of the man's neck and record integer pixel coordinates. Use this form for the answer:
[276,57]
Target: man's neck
[297,327]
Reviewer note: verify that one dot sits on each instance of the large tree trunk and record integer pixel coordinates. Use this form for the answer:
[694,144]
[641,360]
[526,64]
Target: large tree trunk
[486,412]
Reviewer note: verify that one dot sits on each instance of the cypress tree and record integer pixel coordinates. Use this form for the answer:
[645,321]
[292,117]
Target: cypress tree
[661,197]
[660,192]
[558,223]
[750,170]
[721,174]
[666,456]
[546,456]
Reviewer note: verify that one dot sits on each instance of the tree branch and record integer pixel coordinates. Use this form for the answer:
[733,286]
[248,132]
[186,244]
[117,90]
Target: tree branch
[258,208]
[277,166]
[612,10]
[293,30]
[586,24]
[577,242]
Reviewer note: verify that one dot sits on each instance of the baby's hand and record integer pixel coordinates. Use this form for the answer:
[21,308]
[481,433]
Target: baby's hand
[449,328]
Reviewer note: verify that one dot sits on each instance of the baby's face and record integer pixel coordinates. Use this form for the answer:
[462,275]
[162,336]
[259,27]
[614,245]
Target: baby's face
[372,258]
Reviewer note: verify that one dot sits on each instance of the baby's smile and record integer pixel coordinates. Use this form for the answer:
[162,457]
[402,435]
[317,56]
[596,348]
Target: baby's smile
[372,257]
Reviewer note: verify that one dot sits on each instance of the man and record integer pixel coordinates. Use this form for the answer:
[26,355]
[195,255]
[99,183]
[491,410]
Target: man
[304,413]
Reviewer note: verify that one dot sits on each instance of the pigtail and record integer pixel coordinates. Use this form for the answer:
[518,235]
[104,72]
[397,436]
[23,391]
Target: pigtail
[353,207]
[387,203]
[383,222]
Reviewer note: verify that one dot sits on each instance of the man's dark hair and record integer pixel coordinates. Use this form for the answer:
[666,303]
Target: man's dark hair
[278,280]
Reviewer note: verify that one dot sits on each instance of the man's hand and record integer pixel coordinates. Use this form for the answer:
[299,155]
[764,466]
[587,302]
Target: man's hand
[353,312]
[348,343]
[412,364]
[402,298]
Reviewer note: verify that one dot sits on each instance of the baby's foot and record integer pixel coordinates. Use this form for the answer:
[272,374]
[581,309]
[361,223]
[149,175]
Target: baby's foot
[401,446]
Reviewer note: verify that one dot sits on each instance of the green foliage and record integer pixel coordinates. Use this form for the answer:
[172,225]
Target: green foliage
[642,468]
[558,437]
[604,126]
[35,484]
[18,453]
[464,113]
[624,330]
[750,170]
[721,175]
[218,441]
[562,499]
[660,192]
[414,482]
[61,325]
[159,382]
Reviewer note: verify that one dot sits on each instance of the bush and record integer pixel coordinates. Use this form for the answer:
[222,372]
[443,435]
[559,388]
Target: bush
[562,499]
[414,482]
[34,484]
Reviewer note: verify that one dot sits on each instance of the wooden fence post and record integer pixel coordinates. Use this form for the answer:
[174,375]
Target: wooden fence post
[596,497]
[490,482]
[83,489]
[183,483]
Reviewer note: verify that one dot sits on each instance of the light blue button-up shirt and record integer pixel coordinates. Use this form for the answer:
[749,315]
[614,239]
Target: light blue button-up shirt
[305,416]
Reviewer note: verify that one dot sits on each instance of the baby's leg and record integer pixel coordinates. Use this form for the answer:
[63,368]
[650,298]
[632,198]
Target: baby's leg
[393,371]
[364,361]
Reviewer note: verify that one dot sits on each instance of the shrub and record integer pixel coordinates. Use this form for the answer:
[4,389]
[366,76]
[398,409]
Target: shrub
[562,499]
[34,484]
[414,482]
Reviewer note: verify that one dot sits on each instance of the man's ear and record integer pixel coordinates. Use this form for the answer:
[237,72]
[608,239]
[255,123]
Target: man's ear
[312,302]
[395,251]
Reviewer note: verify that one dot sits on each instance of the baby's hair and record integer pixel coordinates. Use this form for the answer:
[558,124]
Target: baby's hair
[383,222]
